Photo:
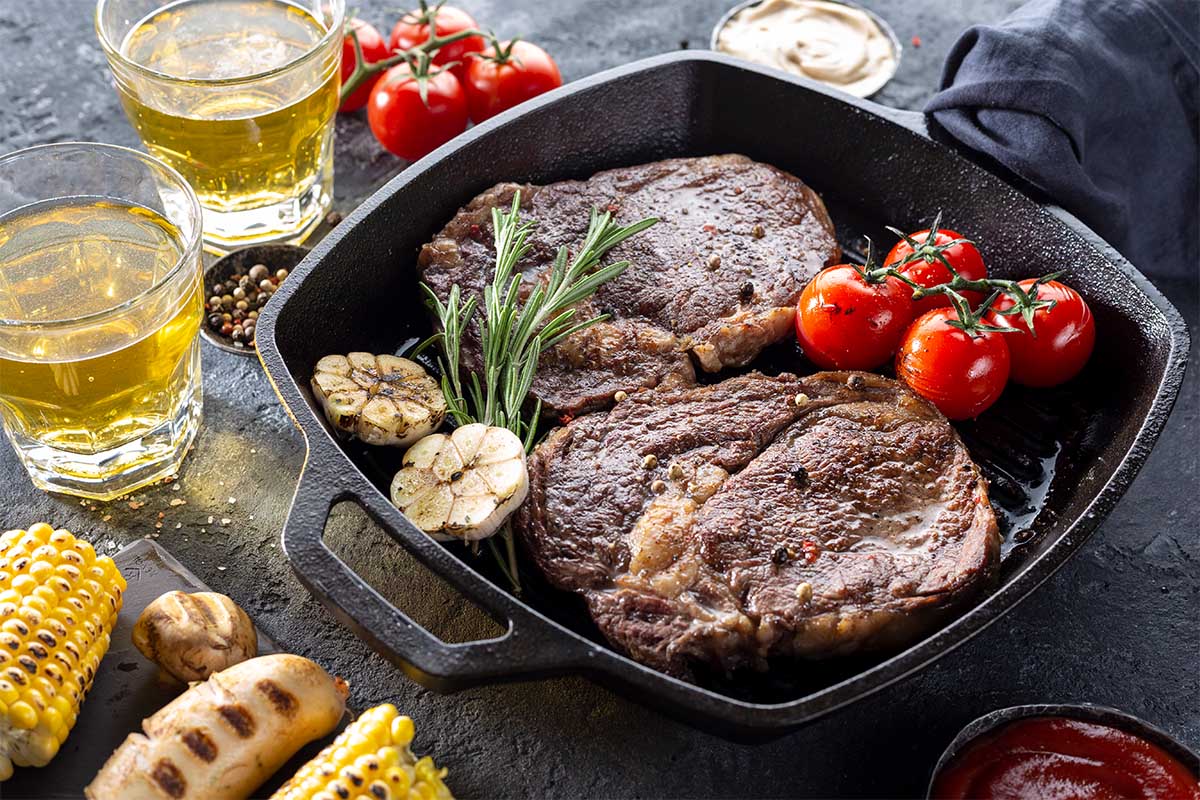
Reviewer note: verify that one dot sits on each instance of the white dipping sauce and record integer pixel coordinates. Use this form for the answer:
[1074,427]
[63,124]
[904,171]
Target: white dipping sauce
[829,42]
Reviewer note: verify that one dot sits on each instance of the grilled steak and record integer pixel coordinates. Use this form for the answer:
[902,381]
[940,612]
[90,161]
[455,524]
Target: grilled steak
[715,280]
[761,517]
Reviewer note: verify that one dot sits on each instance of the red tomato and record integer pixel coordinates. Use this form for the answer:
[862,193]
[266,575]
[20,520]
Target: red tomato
[374,48]
[959,372]
[1063,340]
[448,20]
[843,322]
[401,120]
[494,87]
[926,270]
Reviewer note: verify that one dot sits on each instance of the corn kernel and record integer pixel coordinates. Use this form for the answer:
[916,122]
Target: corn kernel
[40,531]
[403,731]
[398,779]
[21,715]
[24,584]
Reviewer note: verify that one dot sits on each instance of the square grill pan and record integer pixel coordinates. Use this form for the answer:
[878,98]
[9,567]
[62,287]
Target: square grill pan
[1057,460]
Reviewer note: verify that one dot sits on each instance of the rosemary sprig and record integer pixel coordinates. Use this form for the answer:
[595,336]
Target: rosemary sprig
[513,334]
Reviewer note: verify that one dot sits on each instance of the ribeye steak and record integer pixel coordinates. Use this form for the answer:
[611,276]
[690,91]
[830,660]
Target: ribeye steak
[715,280]
[761,517]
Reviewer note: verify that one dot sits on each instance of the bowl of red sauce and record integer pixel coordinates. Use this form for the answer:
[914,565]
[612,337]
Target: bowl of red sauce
[1064,752]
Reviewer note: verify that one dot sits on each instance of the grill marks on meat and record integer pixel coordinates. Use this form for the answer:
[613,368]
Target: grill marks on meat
[766,528]
[714,282]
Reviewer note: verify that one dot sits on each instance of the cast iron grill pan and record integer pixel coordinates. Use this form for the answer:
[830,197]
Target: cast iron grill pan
[1057,460]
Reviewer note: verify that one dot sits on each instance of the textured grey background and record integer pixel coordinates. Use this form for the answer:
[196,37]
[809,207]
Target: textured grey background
[1118,625]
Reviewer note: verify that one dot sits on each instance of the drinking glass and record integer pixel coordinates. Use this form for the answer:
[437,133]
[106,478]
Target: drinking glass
[100,306]
[239,96]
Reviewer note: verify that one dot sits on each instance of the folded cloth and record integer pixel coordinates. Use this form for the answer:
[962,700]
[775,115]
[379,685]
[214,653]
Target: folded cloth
[1094,102]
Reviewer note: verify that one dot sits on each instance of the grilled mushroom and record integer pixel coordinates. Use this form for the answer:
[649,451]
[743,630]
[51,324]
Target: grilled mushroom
[191,636]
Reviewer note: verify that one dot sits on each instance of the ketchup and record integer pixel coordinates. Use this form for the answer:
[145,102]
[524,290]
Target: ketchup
[1055,758]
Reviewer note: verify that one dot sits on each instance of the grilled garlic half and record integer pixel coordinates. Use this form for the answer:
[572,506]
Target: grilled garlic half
[383,400]
[462,485]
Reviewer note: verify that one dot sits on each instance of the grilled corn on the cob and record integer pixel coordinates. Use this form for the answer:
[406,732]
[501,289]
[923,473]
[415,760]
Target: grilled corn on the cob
[369,760]
[58,604]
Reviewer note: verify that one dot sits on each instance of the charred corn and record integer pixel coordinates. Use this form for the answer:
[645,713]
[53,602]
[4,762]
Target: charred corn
[370,760]
[58,604]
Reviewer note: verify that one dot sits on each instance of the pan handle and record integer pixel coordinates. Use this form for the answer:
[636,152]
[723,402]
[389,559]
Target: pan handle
[531,647]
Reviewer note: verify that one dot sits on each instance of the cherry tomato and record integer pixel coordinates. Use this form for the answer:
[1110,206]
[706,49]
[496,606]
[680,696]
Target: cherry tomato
[492,87]
[961,373]
[404,124]
[1065,336]
[964,257]
[843,322]
[448,20]
[374,48]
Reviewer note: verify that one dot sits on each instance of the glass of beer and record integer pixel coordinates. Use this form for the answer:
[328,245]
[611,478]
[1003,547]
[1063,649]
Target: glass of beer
[100,306]
[239,96]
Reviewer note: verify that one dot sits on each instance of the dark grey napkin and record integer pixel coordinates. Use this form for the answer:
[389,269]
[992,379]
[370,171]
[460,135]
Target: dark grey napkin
[1094,102]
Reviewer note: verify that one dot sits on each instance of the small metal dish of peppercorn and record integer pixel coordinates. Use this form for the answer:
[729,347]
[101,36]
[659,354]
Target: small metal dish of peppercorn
[237,286]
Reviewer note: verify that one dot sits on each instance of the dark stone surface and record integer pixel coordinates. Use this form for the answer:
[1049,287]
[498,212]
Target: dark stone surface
[1117,626]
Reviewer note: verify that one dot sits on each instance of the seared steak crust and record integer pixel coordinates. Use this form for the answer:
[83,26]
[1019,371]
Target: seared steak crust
[716,280]
[730,523]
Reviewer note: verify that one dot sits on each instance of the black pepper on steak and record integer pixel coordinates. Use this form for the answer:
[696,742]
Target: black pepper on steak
[852,521]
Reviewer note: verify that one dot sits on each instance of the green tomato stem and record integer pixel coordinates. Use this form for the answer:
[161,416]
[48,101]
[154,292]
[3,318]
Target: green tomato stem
[419,55]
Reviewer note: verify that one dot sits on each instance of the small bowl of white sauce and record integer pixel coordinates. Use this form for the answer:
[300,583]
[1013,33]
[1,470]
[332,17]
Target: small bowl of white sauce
[837,43]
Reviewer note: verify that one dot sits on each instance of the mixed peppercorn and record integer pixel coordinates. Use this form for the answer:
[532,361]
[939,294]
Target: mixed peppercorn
[234,304]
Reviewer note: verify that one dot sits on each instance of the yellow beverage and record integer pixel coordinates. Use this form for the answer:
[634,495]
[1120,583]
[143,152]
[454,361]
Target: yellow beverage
[97,348]
[239,96]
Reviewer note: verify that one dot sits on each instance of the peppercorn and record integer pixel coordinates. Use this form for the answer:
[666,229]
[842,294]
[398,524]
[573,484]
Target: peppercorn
[235,302]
